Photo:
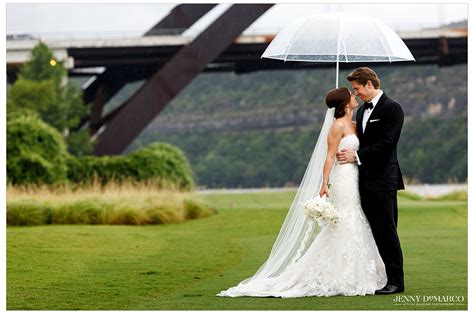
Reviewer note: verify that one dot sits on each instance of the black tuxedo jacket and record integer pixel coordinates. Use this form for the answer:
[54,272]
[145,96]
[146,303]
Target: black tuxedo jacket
[377,152]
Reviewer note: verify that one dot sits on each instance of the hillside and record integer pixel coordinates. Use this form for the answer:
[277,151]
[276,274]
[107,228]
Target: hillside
[259,129]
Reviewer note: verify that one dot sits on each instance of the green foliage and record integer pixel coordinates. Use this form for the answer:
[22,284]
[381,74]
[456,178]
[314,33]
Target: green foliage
[31,95]
[195,209]
[36,152]
[247,159]
[39,67]
[409,196]
[94,211]
[78,143]
[161,164]
[104,169]
[41,88]
[164,162]
[453,196]
[28,213]
[431,150]
[435,149]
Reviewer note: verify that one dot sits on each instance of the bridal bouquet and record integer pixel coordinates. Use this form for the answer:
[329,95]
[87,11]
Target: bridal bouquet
[321,211]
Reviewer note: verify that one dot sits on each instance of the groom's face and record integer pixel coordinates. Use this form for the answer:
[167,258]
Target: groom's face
[362,91]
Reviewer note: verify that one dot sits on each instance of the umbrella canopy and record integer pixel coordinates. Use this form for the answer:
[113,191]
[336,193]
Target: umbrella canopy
[338,37]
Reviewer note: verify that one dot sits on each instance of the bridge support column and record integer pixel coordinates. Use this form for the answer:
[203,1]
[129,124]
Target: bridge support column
[179,71]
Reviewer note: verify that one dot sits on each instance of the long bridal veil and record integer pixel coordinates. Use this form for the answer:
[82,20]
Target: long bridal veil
[298,231]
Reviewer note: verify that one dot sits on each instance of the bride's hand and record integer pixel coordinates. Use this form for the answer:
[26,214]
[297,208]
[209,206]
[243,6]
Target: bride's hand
[324,190]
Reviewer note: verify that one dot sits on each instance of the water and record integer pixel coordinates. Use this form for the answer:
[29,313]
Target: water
[421,189]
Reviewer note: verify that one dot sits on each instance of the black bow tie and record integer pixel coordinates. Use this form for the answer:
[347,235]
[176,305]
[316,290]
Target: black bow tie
[368,105]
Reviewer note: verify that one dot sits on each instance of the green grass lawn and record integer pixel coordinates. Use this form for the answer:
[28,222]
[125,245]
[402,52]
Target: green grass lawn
[183,266]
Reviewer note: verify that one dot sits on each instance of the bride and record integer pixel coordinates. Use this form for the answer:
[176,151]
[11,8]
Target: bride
[337,259]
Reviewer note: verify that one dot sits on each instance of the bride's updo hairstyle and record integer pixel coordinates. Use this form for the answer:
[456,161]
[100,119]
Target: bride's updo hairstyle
[338,98]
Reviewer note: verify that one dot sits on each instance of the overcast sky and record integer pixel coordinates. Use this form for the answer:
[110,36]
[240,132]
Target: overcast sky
[116,19]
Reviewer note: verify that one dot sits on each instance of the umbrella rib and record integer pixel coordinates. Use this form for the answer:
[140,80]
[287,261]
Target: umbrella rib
[338,52]
[345,48]
[339,41]
[383,45]
[289,42]
[284,53]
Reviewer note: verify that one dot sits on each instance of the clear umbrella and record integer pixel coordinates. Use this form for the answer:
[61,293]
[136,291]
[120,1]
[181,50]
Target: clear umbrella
[338,37]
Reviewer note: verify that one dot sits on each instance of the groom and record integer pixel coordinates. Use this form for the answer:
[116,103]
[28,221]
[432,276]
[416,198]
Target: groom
[379,124]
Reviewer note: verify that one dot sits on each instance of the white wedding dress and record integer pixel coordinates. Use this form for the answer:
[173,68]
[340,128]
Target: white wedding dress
[342,260]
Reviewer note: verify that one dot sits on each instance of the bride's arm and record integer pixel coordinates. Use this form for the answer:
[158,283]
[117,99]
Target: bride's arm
[354,127]
[334,137]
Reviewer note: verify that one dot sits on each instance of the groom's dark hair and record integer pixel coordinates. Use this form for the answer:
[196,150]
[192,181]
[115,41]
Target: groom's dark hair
[363,75]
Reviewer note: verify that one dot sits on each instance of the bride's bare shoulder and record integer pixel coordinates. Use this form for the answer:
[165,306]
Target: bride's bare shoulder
[337,127]
[337,124]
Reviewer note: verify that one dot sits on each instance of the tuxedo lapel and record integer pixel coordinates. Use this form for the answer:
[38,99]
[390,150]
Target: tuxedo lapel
[376,112]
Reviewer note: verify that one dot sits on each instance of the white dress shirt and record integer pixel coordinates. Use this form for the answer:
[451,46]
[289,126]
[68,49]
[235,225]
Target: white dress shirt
[366,116]
[367,112]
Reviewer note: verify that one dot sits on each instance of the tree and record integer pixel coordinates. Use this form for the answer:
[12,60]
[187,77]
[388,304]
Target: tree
[42,87]
[43,66]
[36,152]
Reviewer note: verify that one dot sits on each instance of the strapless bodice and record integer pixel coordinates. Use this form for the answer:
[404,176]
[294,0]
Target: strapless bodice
[349,141]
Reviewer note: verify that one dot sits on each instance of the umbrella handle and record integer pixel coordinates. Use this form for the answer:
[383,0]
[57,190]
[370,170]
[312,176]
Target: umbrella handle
[337,54]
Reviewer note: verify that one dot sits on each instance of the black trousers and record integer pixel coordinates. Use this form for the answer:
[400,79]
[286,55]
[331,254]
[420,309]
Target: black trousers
[381,210]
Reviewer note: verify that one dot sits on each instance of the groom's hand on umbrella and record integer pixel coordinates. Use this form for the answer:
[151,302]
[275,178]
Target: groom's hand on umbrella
[346,155]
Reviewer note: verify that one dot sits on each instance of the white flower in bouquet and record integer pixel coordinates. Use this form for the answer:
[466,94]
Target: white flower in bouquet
[321,211]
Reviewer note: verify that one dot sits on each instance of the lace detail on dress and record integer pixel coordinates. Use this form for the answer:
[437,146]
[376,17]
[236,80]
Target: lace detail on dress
[342,260]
